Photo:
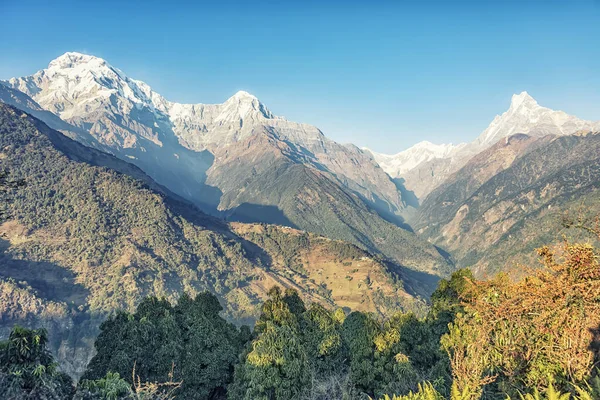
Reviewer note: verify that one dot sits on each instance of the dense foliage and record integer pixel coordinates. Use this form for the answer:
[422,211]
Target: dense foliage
[537,338]
[28,370]
[89,234]
[531,339]
[295,352]
[188,342]
[517,336]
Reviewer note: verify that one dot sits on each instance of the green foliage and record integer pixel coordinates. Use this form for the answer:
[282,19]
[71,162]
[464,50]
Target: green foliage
[551,393]
[188,342]
[276,366]
[7,185]
[90,234]
[393,356]
[426,391]
[322,337]
[446,300]
[91,240]
[359,331]
[28,370]
[111,387]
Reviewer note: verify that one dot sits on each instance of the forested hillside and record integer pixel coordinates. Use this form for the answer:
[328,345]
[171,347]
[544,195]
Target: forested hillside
[513,198]
[235,160]
[81,240]
[279,189]
[533,339]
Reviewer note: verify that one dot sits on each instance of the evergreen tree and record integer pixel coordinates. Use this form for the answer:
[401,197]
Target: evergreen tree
[111,387]
[447,300]
[276,365]
[359,331]
[188,342]
[322,336]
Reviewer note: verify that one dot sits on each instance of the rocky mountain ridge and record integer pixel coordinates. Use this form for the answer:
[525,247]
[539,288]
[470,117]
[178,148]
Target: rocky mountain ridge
[512,198]
[89,234]
[124,113]
[425,166]
[211,155]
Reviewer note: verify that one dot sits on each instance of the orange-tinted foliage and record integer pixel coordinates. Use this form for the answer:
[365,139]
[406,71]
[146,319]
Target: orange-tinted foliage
[519,334]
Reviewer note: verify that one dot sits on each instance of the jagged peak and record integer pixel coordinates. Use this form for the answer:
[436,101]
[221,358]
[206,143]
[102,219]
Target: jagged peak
[426,144]
[522,98]
[243,103]
[242,97]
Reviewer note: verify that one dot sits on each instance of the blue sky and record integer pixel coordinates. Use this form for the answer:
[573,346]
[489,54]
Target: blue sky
[382,74]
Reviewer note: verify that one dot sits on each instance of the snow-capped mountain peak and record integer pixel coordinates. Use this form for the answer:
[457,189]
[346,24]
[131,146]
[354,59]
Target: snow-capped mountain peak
[73,59]
[522,99]
[425,146]
[424,151]
[242,94]
[178,143]
[525,115]
[243,105]
[76,84]
[79,87]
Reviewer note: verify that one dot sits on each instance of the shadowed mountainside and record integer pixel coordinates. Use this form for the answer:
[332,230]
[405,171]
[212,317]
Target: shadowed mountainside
[510,199]
[81,240]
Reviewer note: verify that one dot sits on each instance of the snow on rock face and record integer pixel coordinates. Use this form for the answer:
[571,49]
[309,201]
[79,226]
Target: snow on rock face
[79,87]
[76,85]
[524,115]
[119,112]
[397,164]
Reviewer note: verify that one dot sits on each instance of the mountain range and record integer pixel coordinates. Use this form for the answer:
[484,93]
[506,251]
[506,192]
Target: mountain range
[237,161]
[512,198]
[234,160]
[89,234]
[129,194]
[425,166]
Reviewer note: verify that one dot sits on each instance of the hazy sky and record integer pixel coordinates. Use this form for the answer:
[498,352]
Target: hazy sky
[382,74]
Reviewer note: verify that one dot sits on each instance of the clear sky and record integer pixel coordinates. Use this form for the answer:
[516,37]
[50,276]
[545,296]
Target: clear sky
[382,74]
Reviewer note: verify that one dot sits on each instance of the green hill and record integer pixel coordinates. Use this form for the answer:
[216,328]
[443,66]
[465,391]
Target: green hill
[82,239]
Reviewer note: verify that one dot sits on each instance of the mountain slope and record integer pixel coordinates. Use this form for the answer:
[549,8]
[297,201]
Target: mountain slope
[511,198]
[188,148]
[308,198]
[82,240]
[443,202]
[425,166]
[126,114]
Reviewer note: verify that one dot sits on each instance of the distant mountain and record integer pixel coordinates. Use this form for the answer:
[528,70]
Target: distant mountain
[234,160]
[511,198]
[425,166]
[422,152]
[84,238]
[126,115]
[525,115]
